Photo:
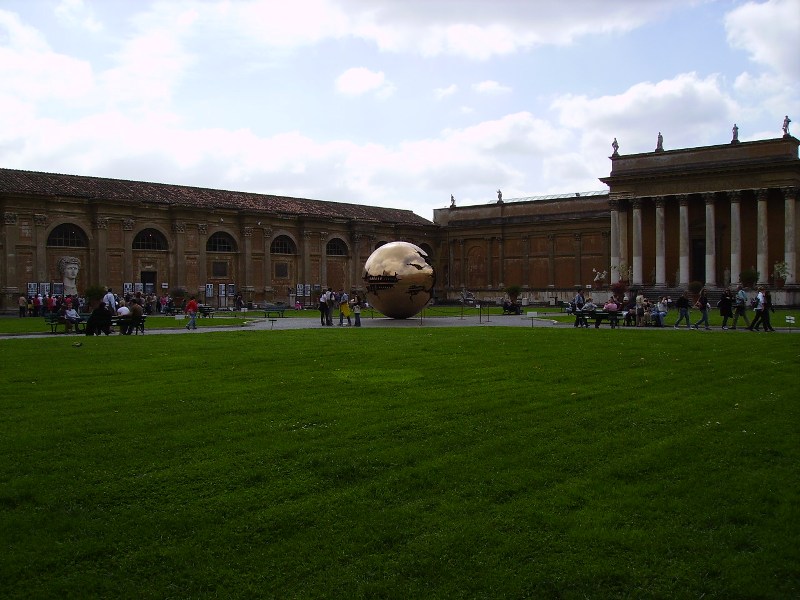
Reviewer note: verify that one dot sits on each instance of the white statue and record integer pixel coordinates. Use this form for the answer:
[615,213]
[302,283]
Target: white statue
[69,266]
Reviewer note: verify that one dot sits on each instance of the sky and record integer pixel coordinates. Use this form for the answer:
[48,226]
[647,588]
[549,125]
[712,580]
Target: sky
[398,103]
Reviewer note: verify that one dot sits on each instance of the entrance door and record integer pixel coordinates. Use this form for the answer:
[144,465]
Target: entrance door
[148,278]
[698,260]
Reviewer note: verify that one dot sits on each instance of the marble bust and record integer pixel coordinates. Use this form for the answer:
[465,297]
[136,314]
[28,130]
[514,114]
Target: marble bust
[69,266]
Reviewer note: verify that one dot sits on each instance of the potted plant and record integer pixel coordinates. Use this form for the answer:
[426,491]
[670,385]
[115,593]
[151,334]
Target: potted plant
[780,273]
[618,288]
[94,294]
[749,277]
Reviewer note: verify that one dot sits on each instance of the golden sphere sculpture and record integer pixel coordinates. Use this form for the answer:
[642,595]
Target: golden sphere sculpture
[399,279]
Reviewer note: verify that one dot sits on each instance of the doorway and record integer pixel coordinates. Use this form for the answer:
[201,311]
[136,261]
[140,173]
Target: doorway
[148,279]
[697,269]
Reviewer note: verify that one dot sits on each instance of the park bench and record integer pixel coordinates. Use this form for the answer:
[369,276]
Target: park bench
[274,309]
[123,322]
[599,316]
[206,311]
[53,321]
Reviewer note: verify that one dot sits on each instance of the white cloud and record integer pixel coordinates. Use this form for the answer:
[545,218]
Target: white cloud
[490,87]
[768,32]
[440,93]
[75,12]
[360,80]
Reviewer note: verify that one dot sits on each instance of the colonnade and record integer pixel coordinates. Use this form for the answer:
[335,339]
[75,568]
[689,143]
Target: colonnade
[620,203]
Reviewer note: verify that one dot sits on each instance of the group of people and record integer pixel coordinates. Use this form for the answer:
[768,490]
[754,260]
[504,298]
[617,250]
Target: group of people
[42,305]
[329,301]
[129,309]
[639,311]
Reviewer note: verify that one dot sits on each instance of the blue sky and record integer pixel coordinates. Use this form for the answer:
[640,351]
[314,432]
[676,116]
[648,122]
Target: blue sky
[386,102]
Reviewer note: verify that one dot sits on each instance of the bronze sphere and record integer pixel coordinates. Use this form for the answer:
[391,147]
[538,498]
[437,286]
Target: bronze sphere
[399,279]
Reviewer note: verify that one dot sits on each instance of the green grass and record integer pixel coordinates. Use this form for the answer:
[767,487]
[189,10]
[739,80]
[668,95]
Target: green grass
[412,463]
[16,325]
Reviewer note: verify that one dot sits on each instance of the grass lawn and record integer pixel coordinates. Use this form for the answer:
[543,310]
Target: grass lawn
[409,463]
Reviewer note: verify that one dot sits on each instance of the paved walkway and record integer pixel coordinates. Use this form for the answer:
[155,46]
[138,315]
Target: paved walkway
[312,322]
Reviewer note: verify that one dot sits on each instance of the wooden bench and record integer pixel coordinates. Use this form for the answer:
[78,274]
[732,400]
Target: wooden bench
[54,320]
[206,311]
[124,322]
[275,309]
[601,315]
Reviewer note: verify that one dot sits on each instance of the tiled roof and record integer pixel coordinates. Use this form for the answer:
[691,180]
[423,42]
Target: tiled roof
[119,190]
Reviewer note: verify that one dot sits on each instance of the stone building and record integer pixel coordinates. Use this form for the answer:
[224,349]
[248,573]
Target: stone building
[670,217]
[132,235]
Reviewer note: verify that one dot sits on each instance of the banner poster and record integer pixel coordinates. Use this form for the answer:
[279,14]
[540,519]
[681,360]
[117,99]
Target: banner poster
[44,288]
[307,290]
[127,288]
[149,288]
[58,289]
[300,290]
[231,290]
[138,287]
[164,286]
[221,290]
[209,290]
[33,289]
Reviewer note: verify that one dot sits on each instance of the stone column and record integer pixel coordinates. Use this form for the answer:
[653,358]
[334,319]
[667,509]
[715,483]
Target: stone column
[624,257]
[637,241]
[576,239]
[178,275]
[551,260]
[463,265]
[526,258]
[247,257]
[790,233]
[127,251]
[735,197]
[355,260]
[501,271]
[40,243]
[489,262]
[614,271]
[683,260]
[661,248]
[711,241]
[267,259]
[203,272]
[762,260]
[9,279]
[323,260]
[100,226]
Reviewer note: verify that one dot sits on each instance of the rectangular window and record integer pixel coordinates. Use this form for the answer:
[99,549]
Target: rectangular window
[281,270]
[219,269]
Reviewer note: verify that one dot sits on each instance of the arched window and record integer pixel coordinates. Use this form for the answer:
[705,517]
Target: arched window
[283,244]
[67,236]
[336,247]
[149,239]
[220,242]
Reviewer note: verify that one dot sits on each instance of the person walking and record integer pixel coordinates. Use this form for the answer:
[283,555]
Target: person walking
[760,301]
[191,310]
[322,307]
[740,307]
[725,306]
[682,304]
[702,304]
[765,319]
[344,308]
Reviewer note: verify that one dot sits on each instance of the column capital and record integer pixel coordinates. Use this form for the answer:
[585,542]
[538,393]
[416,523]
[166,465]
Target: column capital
[636,203]
[202,228]
[10,218]
[100,222]
[577,237]
[683,199]
[128,224]
[789,192]
[761,194]
[267,232]
[659,201]
[179,227]
[708,197]
[613,203]
[551,237]
[40,219]
[735,196]
[247,231]
[323,235]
